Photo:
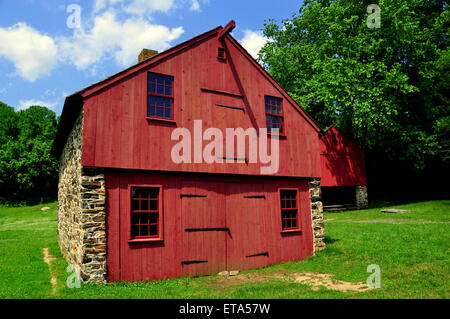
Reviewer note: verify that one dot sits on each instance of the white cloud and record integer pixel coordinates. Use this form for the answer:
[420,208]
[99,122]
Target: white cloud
[253,42]
[121,40]
[116,29]
[33,53]
[49,93]
[195,5]
[24,104]
[137,7]
[102,4]
[148,6]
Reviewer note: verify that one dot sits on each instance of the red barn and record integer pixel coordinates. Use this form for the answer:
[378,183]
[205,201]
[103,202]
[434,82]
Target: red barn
[343,180]
[147,189]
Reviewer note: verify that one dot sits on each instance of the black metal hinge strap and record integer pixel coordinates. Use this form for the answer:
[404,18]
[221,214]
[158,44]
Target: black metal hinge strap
[187,262]
[207,229]
[231,107]
[260,254]
[221,92]
[191,195]
[256,196]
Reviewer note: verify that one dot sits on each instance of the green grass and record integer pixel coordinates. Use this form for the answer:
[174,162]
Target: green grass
[412,250]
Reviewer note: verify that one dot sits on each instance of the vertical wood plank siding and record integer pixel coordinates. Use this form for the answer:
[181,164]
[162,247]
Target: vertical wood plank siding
[254,226]
[117,133]
[342,161]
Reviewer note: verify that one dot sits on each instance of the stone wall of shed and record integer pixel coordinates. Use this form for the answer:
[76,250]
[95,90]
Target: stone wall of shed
[81,210]
[317,214]
[361,196]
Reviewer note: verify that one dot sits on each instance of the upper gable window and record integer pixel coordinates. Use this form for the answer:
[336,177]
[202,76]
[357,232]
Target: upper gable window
[221,55]
[274,113]
[160,96]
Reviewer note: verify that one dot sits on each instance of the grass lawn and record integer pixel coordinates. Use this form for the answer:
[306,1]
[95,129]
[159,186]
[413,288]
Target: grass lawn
[412,250]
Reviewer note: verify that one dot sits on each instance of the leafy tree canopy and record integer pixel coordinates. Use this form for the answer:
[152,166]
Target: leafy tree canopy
[27,170]
[386,87]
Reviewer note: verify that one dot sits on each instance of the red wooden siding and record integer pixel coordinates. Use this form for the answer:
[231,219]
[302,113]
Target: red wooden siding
[206,247]
[342,161]
[248,207]
[117,134]
[213,217]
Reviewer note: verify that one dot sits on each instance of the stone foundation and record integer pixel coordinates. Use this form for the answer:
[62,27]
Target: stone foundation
[81,211]
[317,214]
[361,196]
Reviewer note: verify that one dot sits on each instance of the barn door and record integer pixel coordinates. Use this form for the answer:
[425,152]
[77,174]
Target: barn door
[204,228]
[246,242]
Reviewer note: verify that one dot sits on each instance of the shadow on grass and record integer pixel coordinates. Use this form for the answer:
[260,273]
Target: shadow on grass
[329,240]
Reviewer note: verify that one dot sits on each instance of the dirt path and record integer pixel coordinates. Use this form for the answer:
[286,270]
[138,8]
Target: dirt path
[48,258]
[315,280]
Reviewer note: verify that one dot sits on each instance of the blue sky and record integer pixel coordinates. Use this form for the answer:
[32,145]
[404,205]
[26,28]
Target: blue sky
[43,58]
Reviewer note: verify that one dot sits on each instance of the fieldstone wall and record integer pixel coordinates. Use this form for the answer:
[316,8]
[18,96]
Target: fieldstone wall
[81,210]
[69,201]
[361,196]
[93,219]
[317,214]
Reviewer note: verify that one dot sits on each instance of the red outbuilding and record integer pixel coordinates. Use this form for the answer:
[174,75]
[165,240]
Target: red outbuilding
[192,162]
[343,180]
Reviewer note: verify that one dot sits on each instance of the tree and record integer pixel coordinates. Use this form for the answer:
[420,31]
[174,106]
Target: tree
[27,170]
[8,120]
[386,87]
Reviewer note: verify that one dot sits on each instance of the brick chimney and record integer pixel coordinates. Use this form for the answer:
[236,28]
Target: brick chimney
[146,54]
